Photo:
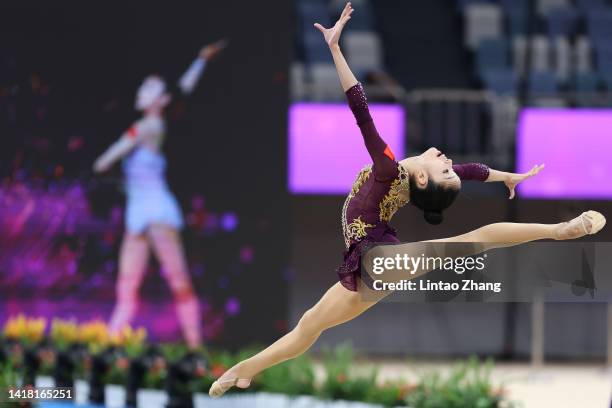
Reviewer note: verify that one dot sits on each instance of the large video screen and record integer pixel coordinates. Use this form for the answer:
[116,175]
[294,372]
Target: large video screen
[575,145]
[326,149]
[68,84]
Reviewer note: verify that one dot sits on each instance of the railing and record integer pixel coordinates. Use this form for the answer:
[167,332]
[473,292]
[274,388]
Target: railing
[470,125]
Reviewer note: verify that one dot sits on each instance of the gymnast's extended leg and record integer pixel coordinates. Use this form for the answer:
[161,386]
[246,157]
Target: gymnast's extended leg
[509,233]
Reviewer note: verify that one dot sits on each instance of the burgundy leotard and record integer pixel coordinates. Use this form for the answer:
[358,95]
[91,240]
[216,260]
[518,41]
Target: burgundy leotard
[378,192]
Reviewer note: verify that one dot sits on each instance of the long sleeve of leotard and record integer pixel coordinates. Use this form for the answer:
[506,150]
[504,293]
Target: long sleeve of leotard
[190,78]
[385,166]
[472,171]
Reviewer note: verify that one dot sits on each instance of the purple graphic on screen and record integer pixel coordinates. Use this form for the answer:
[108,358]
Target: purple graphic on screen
[58,259]
[326,149]
[575,145]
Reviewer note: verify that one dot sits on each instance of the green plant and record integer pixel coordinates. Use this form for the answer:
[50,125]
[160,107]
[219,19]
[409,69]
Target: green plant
[134,341]
[293,377]
[173,351]
[118,371]
[391,394]
[64,333]
[9,375]
[155,376]
[467,386]
[47,357]
[12,354]
[82,368]
[223,360]
[340,380]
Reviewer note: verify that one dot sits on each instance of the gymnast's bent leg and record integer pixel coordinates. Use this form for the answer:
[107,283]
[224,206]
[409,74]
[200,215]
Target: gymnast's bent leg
[339,305]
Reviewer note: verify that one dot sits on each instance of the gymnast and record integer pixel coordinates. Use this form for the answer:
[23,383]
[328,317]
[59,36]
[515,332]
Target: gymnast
[153,218]
[430,182]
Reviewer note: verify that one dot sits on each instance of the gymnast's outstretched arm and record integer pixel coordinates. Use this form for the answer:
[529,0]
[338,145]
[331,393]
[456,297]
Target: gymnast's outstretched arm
[118,150]
[481,172]
[140,131]
[385,167]
[191,77]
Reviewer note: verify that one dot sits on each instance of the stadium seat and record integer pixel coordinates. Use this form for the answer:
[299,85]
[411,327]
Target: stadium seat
[363,50]
[582,55]
[361,20]
[599,25]
[587,82]
[516,21]
[312,12]
[519,55]
[315,50]
[482,20]
[544,7]
[607,80]
[515,12]
[562,58]
[492,53]
[562,22]
[540,54]
[462,5]
[297,81]
[325,81]
[591,5]
[501,81]
[522,5]
[541,84]
[604,56]
[587,87]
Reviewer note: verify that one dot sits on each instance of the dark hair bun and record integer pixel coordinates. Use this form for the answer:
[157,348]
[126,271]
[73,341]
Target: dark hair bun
[433,217]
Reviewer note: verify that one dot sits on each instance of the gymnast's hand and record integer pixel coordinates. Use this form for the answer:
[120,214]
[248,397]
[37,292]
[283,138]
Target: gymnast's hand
[513,179]
[332,35]
[210,51]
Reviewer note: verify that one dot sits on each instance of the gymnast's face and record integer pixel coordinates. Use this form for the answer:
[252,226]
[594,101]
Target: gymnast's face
[151,94]
[439,169]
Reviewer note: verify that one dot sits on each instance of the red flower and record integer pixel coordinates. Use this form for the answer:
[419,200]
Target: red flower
[122,363]
[47,356]
[159,363]
[406,389]
[341,378]
[87,363]
[218,370]
[200,371]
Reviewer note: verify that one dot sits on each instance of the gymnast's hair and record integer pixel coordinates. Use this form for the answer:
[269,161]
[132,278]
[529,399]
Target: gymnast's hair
[433,199]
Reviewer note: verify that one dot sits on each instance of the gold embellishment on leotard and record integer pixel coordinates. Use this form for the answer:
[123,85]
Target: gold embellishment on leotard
[361,178]
[357,229]
[397,196]
[348,229]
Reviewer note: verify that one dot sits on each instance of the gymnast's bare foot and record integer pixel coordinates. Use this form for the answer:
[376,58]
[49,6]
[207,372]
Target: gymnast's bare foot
[228,380]
[588,223]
